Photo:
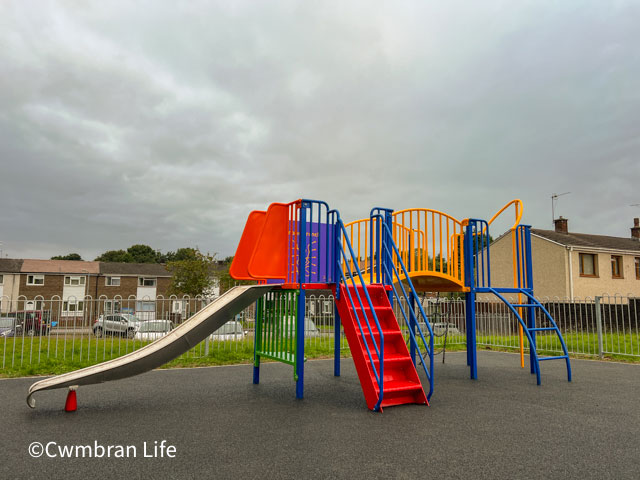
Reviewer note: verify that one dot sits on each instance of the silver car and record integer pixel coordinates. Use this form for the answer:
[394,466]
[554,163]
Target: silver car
[232,330]
[153,329]
[123,324]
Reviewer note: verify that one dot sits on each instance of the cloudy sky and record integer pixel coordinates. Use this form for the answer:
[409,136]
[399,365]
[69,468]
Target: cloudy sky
[146,122]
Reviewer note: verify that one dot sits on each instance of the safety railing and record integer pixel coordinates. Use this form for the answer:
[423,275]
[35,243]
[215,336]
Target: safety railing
[345,255]
[478,253]
[391,269]
[275,329]
[431,237]
[310,243]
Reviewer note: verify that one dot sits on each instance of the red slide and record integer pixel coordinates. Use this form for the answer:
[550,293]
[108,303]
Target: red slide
[401,382]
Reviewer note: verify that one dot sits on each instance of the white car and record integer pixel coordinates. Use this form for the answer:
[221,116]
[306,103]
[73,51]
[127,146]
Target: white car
[151,330]
[441,328]
[310,329]
[232,330]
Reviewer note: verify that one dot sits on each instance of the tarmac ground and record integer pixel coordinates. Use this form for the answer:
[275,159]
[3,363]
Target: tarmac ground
[222,426]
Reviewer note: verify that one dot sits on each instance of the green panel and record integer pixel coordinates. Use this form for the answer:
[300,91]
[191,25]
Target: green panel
[275,335]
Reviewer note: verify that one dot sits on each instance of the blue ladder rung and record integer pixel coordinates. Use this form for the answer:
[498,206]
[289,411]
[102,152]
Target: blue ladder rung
[524,304]
[541,329]
[561,357]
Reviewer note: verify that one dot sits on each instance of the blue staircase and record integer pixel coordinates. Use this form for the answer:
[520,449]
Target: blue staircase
[478,277]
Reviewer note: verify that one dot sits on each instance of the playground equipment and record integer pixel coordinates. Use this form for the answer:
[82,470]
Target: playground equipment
[370,265]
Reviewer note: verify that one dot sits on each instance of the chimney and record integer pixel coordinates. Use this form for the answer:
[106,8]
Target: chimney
[561,225]
[635,230]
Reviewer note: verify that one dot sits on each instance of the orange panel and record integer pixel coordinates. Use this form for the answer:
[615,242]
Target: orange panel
[248,241]
[269,258]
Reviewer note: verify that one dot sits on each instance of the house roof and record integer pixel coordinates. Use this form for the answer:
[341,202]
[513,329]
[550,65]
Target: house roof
[589,241]
[59,266]
[10,265]
[150,269]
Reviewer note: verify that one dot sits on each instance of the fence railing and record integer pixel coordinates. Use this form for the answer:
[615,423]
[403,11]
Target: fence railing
[61,331]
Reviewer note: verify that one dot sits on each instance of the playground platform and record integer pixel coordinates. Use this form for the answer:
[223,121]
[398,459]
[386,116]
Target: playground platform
[501,426]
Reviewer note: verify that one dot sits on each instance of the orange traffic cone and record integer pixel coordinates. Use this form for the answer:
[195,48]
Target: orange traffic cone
[71,405]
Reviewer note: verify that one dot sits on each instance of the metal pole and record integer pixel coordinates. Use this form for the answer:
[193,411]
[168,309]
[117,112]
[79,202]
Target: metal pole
[336,316]
[336,352]
[302,256]
[599,326]
[412,326]
[470,302]
[257,336]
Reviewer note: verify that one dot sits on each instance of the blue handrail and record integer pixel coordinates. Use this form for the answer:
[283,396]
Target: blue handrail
[477,253]
[388,241]
[340,252]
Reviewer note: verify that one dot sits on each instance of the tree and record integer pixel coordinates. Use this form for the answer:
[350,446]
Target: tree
[134,254]
[226,280]
[186,253]
[143,254]
[115,256]
[192,276]
[69,256]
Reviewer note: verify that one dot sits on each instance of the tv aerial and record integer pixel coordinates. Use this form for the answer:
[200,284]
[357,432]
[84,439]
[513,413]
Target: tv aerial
[554,199]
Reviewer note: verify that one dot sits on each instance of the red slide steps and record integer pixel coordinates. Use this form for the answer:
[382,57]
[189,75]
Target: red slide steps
[401,382]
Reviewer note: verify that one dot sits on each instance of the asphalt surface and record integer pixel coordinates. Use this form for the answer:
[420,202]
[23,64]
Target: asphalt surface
[223,426]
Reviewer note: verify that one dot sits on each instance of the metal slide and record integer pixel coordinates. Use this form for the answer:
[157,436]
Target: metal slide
[163,350]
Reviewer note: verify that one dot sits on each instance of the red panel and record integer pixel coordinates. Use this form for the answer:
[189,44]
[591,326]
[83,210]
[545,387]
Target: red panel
[252,230]
[269,259]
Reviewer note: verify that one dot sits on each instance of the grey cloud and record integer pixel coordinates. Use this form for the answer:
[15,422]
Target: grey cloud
[149,122]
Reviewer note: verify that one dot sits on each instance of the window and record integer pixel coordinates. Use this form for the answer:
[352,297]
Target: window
[179,306]
[146,282]
[327,307]
[637,268]
[33,305]
[112,281]
[35,279]
[112,306]
[616,266]
[74,281]
[588,265]
[69,306]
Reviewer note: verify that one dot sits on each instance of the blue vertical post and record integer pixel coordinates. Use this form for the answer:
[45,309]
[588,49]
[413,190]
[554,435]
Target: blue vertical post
[257,337]
[336,316]
[336,353]
[528,266]
[470,300]
[412,326]
[388,260]
[412,305]
[302,249]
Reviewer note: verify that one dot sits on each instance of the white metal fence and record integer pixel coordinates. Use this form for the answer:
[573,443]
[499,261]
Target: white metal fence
[35,331]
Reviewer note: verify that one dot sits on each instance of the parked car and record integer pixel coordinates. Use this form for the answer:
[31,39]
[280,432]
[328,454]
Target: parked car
[9,327]
[153,329]
[441,328]
[310,329]
[116,324]
[33,322]
[232,330]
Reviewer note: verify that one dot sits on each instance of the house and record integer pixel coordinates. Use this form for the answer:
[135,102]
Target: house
[574,265]
[76,290]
